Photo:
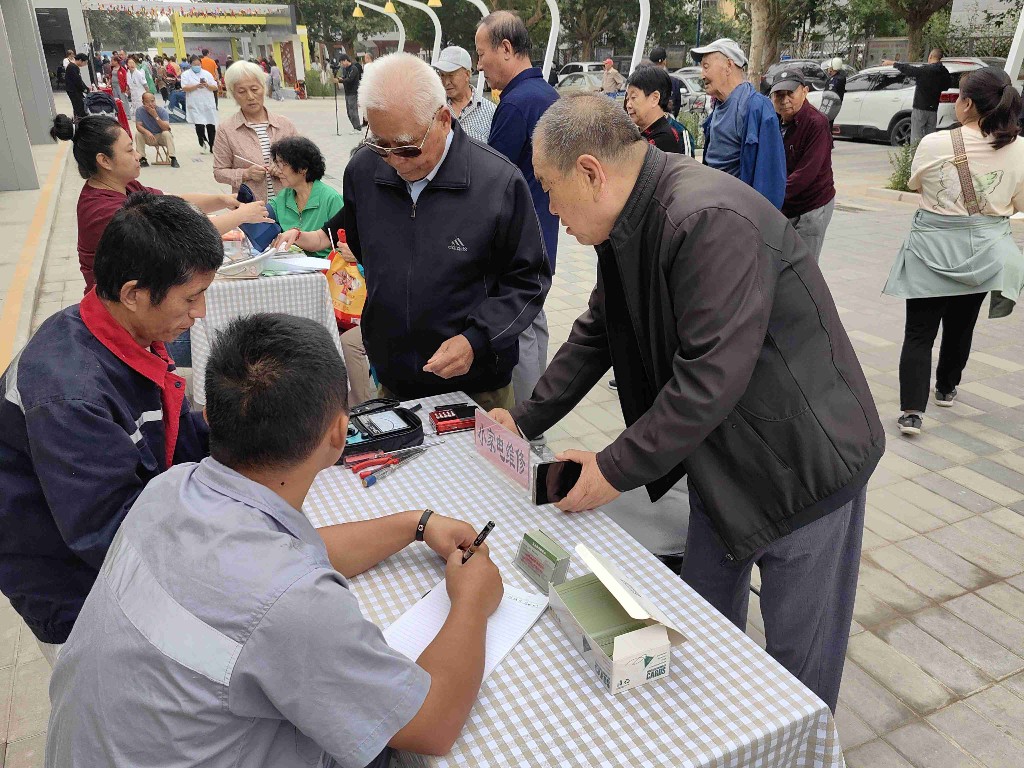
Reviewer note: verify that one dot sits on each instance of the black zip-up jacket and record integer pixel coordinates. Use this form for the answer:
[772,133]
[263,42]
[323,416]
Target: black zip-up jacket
[467,258]
[732,364]
[932,80]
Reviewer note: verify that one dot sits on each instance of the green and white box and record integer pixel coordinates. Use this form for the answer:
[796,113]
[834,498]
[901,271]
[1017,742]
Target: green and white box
[542,560]
[623,636]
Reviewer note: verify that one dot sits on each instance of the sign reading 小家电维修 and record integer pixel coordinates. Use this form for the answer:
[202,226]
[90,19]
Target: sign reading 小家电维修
[503,448]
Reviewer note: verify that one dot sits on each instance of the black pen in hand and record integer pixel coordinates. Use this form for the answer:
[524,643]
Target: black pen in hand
[479,540]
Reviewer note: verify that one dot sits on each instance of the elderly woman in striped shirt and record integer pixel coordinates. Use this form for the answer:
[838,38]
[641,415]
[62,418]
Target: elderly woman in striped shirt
[242,152]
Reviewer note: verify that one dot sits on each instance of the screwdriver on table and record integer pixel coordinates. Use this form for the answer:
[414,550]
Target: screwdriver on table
[382,473]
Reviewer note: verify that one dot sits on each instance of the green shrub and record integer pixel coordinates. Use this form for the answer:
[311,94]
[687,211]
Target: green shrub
[315,86]
[901,160]
[693,122]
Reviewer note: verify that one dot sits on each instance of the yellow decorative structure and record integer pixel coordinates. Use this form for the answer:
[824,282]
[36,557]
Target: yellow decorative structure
[358,12]
[389,7]
[434,3]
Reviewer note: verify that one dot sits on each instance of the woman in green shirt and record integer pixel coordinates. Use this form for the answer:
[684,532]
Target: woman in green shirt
[305,203]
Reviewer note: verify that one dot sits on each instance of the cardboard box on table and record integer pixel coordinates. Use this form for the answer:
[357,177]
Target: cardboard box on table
[622,635]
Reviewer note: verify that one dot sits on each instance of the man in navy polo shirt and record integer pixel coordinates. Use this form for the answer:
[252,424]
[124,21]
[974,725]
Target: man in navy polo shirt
[91,409]
[503,55]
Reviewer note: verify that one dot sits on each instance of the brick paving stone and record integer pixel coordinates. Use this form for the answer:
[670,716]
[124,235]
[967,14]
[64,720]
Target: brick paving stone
[920,456]
[876,754]
[967,575]
[989,619]
[1006,598]
[1009,519]
[930,502]
[998,472]
[869,611]
[950,669]
[871,702]
[975,551]
[915,573]
[904,511]
[979,649]
[887,587]
[996,537]
[975,733]
[1002,707]
[901,676]
[968,442]
[925,747]
[852,730]
[956,493]
[885,525]
[982,485]
[985,433]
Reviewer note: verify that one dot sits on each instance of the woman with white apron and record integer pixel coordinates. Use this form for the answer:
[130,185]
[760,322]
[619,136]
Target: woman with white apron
[200,105]
[960,247]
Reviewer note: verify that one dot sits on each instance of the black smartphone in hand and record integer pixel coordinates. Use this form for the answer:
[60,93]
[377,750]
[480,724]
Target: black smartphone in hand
[553,480]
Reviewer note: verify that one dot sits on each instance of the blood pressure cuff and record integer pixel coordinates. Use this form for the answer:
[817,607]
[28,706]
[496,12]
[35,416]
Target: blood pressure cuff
[382,425]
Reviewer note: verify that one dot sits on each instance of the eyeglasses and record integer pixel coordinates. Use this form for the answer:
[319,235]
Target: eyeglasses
[407,150]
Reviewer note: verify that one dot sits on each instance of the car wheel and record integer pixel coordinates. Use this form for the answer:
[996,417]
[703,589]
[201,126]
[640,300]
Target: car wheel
[899,133]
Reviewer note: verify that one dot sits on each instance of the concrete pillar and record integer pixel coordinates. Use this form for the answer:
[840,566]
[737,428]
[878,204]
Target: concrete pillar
[1016,57]
[17,169]
[30,69]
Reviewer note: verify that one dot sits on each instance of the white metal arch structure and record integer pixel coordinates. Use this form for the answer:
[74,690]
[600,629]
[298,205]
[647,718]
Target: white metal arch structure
[556,21]
[484,10]
[1016,57]
[641,34]
[393,16]
[433,17]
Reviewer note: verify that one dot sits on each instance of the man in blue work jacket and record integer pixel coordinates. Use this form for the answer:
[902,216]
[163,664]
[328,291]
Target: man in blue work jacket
[741,135]
[92,409]
[503,55]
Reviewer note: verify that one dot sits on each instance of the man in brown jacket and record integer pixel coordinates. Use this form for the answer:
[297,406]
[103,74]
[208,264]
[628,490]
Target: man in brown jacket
[733,370]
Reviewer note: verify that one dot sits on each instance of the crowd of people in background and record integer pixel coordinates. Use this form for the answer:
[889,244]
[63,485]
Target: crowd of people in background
[731,364]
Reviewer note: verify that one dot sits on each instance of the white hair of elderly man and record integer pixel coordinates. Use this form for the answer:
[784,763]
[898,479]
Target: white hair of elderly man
[403,82]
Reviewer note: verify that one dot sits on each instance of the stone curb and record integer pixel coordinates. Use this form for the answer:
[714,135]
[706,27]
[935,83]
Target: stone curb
[894,194]
[28,306]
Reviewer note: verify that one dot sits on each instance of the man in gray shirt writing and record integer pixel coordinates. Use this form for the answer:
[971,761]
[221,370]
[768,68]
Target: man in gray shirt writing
[221,630]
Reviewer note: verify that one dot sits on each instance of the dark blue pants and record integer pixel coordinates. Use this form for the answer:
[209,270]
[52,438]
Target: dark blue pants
[808,583]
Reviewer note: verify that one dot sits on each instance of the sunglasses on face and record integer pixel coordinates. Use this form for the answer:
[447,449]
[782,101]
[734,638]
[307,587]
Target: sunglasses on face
[407,150]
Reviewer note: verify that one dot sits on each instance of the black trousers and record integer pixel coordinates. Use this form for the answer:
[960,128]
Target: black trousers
[958,315]
[202,131]
[78,104]
[352,108]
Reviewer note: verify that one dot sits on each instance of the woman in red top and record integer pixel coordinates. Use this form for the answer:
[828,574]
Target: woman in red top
[108,162]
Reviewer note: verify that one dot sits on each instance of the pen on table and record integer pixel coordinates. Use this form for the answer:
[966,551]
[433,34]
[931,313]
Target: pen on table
[477,542]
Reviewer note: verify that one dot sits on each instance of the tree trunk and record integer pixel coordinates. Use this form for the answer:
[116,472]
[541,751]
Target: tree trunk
[915,34]
[759,12]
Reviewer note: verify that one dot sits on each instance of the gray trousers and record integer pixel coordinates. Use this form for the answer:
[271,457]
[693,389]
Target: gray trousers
[533,358]
[352,108]
[811,227]
[922,122]
[808,584]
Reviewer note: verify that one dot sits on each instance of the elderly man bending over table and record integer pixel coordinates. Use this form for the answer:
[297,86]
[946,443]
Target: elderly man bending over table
[446,232]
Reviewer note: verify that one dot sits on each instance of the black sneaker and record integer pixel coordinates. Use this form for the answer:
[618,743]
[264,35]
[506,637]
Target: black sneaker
[174,163]
[144,163]
[612,385]
[910,424]
[945,399]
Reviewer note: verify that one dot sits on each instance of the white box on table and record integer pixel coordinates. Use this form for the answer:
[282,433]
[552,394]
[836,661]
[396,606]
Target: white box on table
[623,636]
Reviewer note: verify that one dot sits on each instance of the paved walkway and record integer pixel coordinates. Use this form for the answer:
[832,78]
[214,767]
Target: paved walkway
[935,672]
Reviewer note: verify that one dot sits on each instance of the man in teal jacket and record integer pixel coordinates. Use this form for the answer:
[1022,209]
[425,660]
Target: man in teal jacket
[741,135]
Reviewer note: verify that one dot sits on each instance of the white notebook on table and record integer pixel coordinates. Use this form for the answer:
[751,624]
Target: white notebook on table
[415,629]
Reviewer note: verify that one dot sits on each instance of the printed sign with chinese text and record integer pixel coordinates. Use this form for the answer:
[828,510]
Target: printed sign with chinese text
[503,448]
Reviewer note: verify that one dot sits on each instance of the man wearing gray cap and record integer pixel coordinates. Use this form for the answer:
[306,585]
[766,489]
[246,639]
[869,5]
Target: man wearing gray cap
[473,112]
[807,139]
[741,135]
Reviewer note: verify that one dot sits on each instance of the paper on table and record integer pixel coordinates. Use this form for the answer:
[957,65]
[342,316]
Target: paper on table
[297,263]
[415,629]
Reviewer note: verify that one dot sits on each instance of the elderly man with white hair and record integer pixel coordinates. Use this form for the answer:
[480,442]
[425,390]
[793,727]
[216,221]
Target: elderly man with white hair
[446,232]
[242,151]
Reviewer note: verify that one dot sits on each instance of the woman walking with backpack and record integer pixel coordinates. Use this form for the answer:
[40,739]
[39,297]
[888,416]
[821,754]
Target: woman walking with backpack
[971,180]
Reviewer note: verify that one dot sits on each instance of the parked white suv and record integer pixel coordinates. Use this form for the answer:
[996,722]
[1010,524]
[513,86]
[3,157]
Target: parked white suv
[878,101]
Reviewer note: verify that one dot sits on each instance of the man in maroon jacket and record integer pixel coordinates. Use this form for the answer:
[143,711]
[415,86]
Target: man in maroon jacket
[807,138]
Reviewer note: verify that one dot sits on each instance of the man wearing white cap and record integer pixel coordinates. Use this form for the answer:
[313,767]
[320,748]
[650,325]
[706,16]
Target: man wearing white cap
[741,135]
[613,81]
[473,112]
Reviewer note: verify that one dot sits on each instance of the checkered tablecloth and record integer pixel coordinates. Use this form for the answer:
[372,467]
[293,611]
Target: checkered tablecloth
[726,703]
[305,295]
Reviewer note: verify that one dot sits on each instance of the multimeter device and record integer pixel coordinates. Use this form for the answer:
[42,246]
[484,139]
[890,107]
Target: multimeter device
[382,425]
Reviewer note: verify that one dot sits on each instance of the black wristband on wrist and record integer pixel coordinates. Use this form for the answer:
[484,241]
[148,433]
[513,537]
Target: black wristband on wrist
[421,526]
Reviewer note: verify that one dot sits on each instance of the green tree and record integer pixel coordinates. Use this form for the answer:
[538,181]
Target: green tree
[117,29]
[916,14]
